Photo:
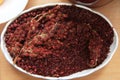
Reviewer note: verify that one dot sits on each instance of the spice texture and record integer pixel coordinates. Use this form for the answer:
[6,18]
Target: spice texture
[58,40]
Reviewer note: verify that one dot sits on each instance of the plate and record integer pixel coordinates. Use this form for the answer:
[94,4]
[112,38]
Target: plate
[11,8]
[83,73]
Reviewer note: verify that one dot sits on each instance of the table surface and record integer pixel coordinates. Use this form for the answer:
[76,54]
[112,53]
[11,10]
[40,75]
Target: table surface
[109,72]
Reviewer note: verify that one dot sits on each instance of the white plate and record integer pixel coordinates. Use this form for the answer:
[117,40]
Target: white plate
[113,48]
[11,8]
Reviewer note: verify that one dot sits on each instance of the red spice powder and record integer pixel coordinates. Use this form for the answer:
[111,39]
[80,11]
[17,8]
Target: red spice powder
[58,40]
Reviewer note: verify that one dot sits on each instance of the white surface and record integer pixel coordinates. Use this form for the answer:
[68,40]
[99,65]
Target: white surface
[10,9]
[113,48]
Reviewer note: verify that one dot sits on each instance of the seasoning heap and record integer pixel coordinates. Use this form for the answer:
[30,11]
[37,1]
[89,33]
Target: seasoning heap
[58,40]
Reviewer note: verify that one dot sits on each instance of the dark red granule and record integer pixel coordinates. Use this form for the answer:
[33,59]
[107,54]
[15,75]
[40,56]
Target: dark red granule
[86,1]
[59,40]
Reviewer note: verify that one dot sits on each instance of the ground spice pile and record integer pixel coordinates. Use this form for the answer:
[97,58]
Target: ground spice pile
[58,40]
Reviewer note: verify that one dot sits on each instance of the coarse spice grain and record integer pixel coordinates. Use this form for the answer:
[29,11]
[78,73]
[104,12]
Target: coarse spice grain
[58,40]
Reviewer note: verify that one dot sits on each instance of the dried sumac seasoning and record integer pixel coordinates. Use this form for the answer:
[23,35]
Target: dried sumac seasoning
[58,40]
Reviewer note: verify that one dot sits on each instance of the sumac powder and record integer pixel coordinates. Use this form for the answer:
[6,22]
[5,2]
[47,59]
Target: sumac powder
[58,40]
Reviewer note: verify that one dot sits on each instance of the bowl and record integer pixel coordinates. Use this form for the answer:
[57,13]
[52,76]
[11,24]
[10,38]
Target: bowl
[94,3]
[9,6]
[83,73]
